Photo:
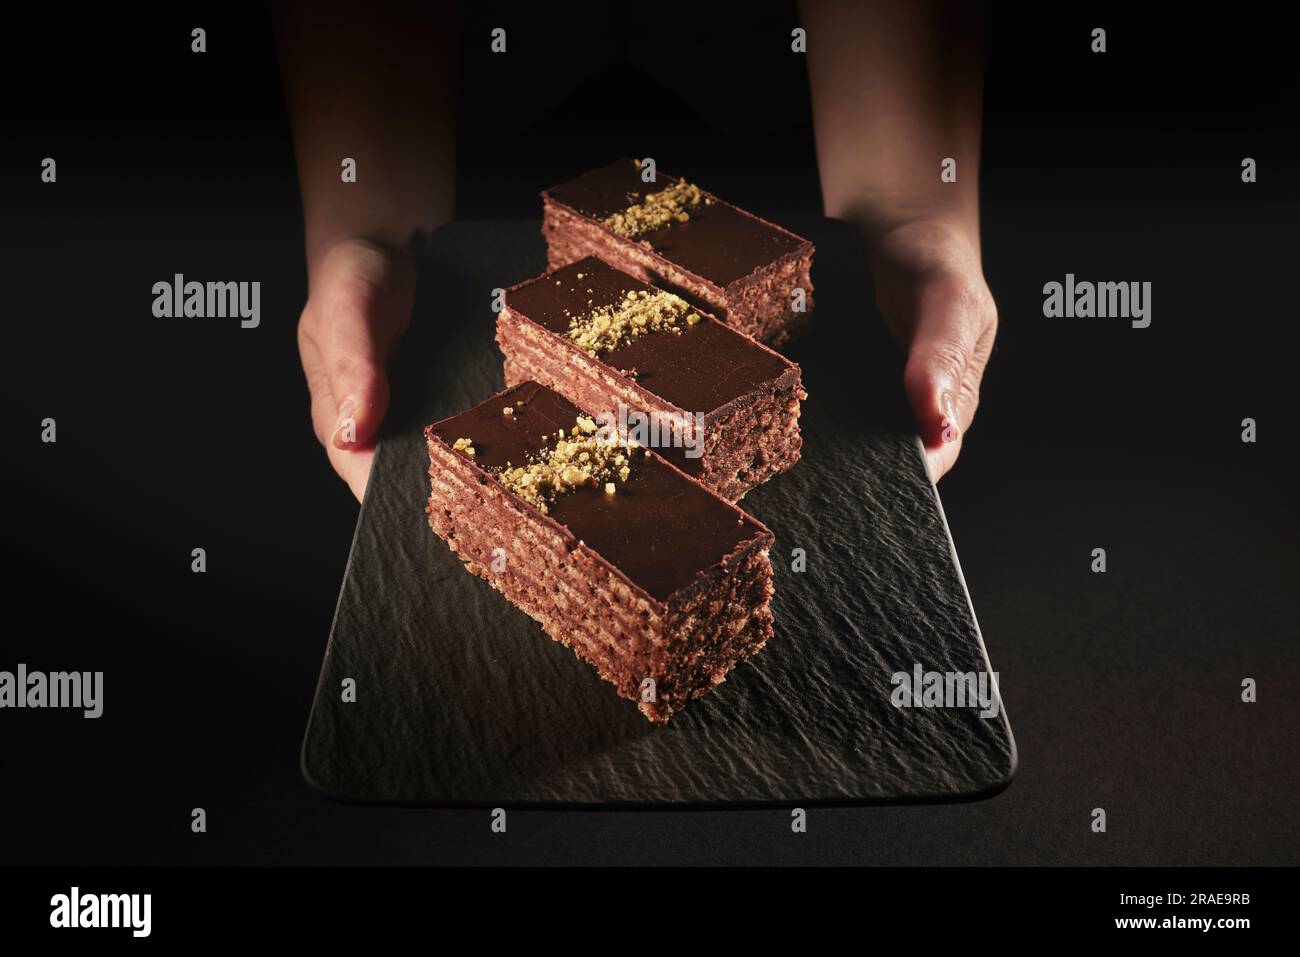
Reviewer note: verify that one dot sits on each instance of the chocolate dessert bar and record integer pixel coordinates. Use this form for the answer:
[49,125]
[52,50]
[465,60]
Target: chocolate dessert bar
[751,274]
[713,402]
[643,572]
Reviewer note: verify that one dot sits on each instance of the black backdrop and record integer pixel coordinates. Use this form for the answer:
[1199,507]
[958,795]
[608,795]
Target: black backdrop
[1123,689]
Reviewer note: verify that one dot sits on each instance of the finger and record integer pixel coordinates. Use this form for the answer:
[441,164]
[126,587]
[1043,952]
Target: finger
[946,360]
[324,410]
[364,306]
[940,459]
[353,467]
[353,350]
[969,399]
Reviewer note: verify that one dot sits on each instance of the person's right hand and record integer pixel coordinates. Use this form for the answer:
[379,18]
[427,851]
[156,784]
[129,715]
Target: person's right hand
[359,302]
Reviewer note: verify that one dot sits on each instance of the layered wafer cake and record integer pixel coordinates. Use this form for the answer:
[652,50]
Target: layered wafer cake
[751,274]
[647,575]
[714,402]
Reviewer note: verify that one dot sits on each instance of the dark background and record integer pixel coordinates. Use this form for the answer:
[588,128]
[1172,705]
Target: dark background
[1122,689]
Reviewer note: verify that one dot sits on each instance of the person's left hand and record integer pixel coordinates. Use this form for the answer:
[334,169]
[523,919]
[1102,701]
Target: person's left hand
[931,291]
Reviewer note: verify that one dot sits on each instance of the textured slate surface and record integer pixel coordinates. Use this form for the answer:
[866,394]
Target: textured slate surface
[461,699]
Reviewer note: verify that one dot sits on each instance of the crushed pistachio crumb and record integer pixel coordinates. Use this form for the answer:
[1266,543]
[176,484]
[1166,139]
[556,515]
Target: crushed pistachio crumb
[656,210]
[584,459]
[464,445]
[692,318]
[639,312]
[508,410]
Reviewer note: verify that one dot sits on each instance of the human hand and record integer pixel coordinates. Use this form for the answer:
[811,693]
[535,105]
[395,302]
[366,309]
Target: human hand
[359,302]
[931,292]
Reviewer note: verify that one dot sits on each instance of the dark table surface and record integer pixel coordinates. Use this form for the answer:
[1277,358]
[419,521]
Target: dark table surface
[1123,688]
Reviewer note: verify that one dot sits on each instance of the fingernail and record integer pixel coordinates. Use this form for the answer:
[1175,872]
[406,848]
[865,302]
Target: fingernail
[948,426]
[345,430]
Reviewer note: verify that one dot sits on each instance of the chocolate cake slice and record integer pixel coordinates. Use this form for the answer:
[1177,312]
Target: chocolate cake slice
[643,572]
[714,402]
[751,274]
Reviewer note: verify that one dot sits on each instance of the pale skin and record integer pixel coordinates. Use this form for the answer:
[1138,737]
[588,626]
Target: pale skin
[896,89]
[376,85]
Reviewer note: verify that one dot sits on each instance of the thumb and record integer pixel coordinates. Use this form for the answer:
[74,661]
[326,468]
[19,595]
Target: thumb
[359,385]
[365,303]
[950,346]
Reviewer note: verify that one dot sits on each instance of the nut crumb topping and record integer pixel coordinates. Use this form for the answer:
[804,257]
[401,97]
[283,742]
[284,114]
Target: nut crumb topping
[639,312]
[464,445]
[667,206]
[586,458]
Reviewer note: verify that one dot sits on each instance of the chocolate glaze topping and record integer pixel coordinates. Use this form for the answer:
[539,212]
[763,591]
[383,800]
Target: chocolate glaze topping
[660,528]
[699,370]
[719,243]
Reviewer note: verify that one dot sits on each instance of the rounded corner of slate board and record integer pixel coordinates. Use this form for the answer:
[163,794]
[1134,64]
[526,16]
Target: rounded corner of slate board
[310,776]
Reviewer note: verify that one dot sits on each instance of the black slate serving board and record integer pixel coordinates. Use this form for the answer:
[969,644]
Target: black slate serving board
[461,699]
